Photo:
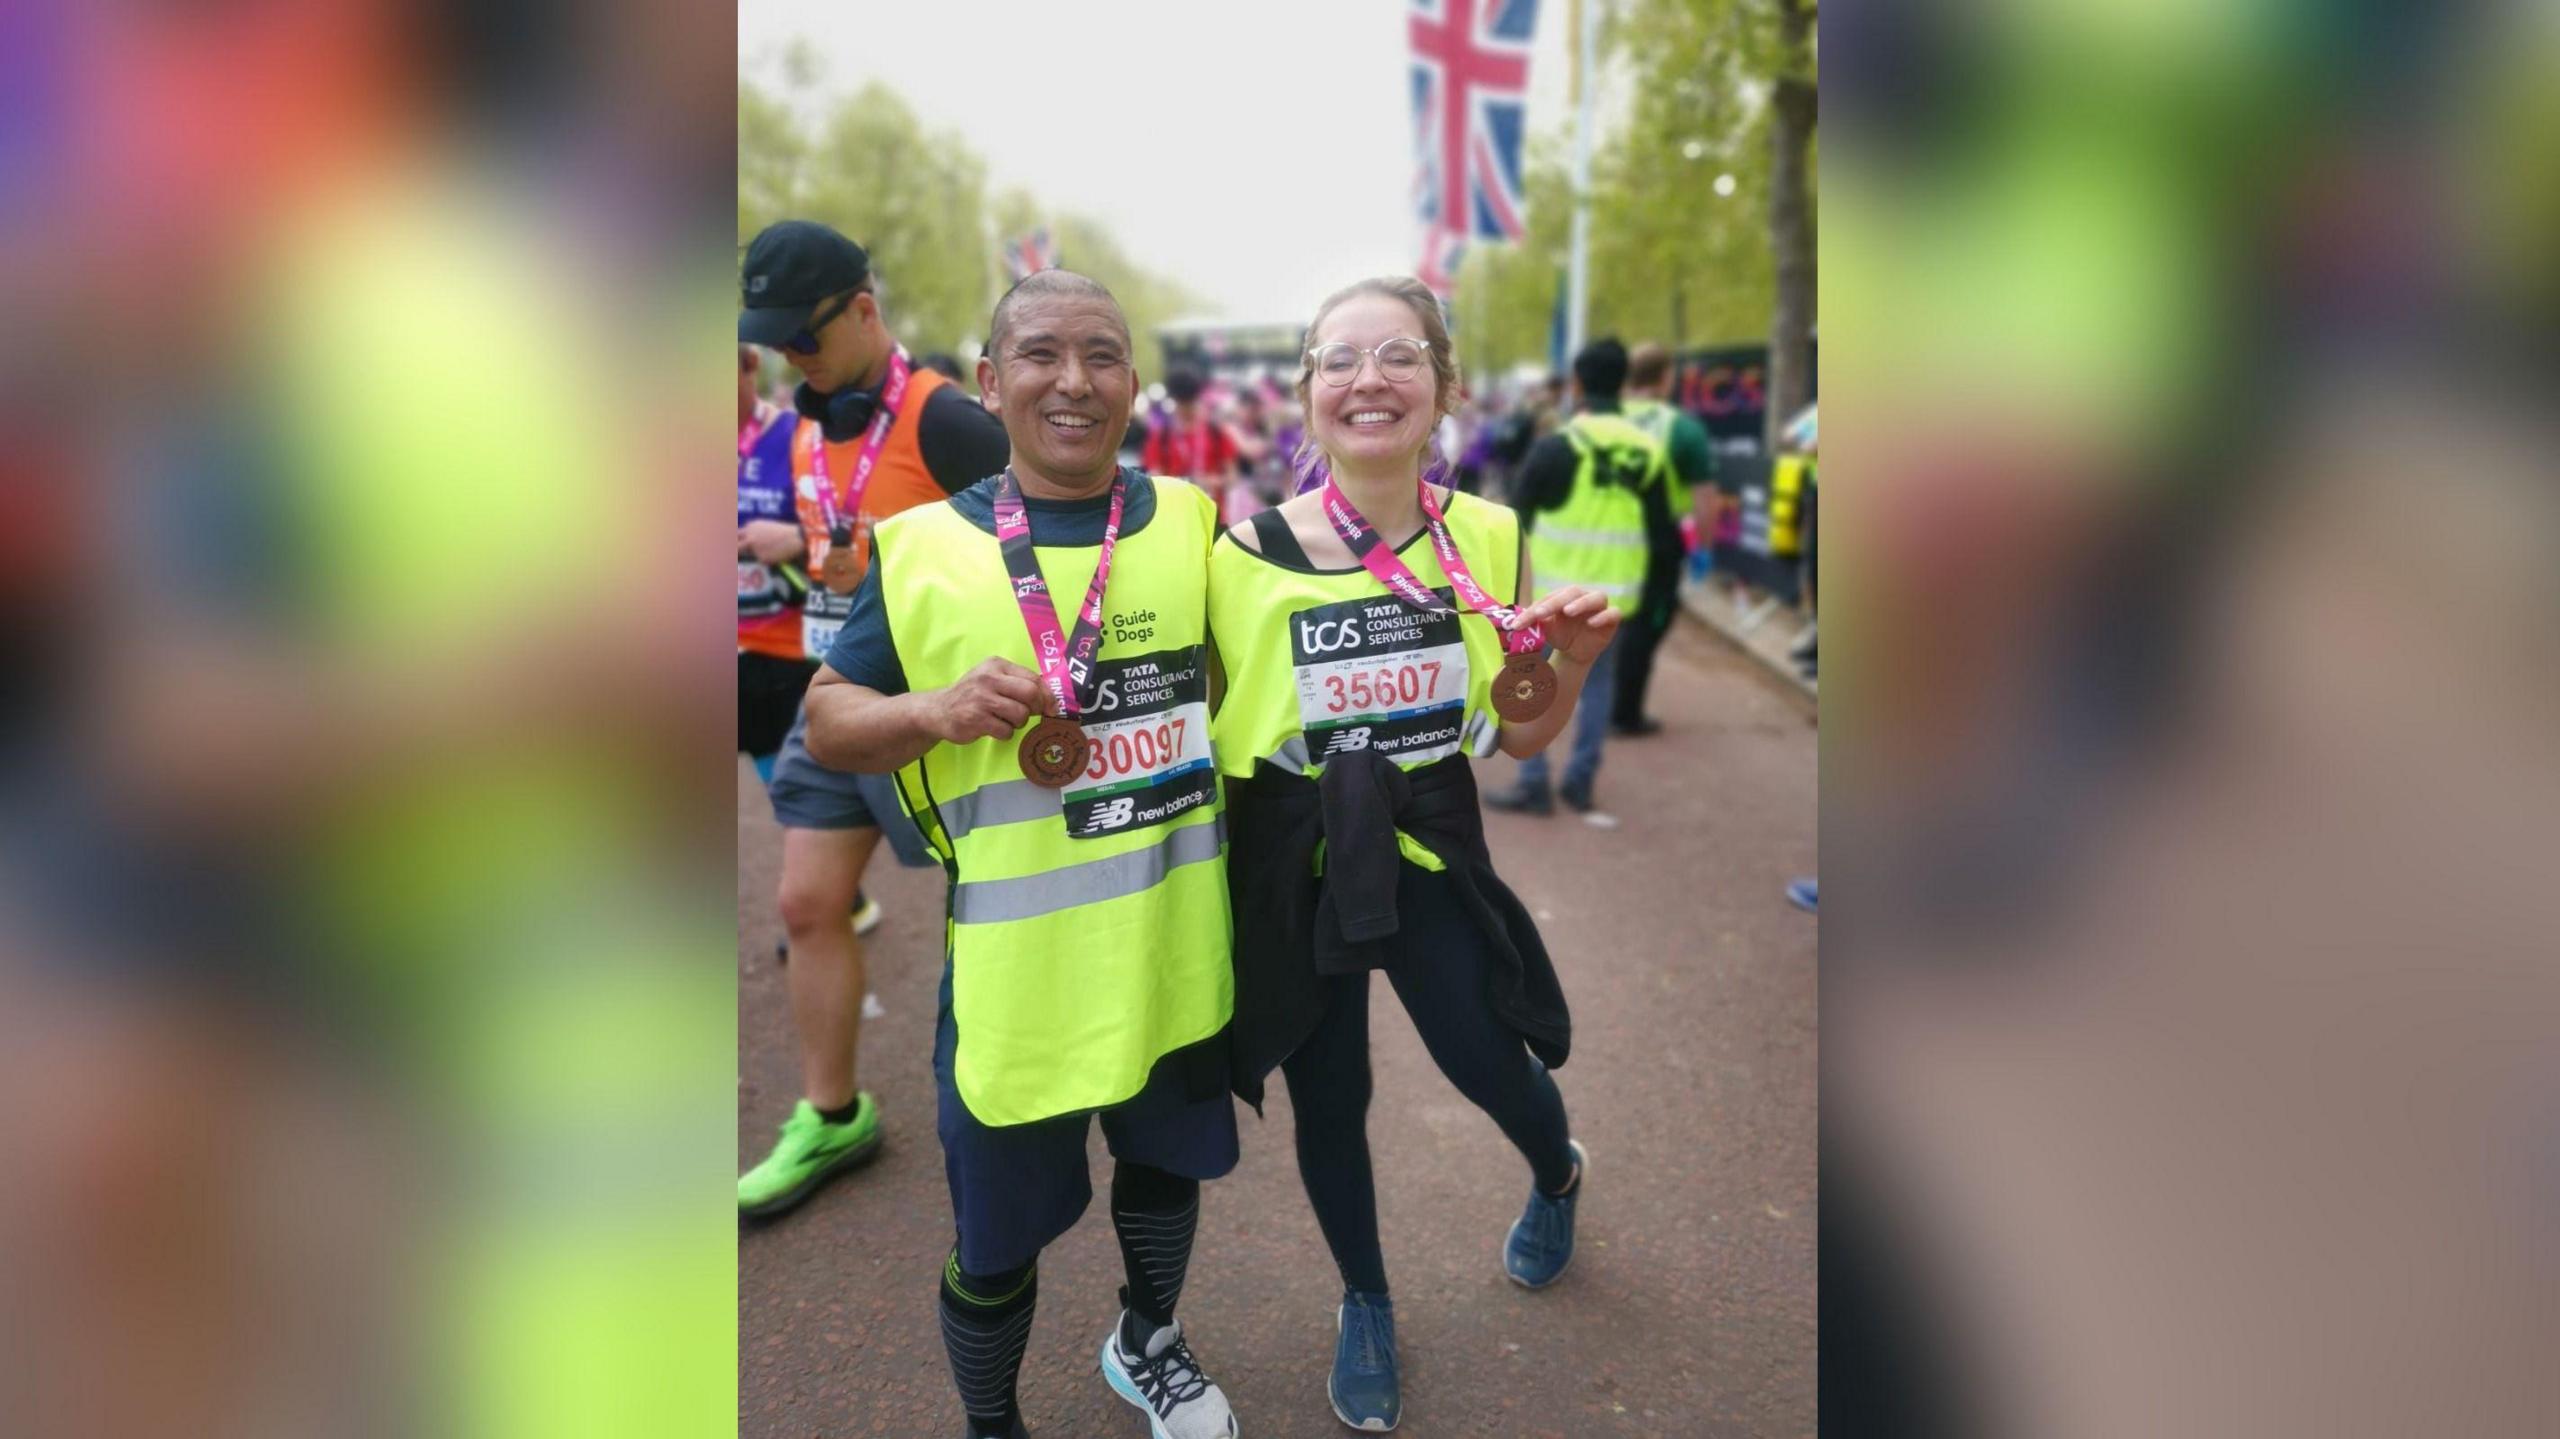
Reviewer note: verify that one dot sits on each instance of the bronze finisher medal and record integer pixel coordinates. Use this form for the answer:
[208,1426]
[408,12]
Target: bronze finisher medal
[1526,683]
[842,570]
[1054,752]
[1523,688]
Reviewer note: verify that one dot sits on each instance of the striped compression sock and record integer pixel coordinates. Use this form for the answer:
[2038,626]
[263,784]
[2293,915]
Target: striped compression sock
[1155,1214]
[986,1322]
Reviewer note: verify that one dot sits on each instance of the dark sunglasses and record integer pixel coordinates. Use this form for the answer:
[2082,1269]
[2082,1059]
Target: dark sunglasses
[805,342]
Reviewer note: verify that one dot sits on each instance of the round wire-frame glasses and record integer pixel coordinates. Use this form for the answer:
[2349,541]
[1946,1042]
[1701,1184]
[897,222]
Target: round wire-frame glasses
[1398,360]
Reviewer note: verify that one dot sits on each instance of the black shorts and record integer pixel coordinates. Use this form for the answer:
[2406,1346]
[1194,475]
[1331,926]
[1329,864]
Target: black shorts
[1017,1188]
[769,692]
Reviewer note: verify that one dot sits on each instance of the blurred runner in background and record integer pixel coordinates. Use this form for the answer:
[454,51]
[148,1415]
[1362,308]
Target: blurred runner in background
[880,435]
[1693,465]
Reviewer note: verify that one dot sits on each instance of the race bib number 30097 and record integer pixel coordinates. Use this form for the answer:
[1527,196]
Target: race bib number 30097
[1149,732]
[1374,674]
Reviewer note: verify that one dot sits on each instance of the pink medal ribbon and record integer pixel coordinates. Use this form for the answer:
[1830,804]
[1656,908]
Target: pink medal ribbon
[1055,749]
[841,575]
[1526,684]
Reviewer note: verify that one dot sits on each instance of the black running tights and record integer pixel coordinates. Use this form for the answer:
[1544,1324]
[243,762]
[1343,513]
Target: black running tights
[1441,973]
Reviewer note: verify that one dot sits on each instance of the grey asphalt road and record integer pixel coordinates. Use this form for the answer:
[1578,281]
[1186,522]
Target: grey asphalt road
[1690,1308]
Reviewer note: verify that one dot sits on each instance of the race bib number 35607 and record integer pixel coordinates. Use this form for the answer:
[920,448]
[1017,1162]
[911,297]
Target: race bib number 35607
[1149,732]
[1374,674]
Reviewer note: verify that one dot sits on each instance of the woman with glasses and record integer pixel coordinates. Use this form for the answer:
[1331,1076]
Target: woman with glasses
[1371,649]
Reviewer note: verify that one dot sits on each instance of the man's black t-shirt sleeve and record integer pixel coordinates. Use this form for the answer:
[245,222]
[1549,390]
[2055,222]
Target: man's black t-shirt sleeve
[1661,524]
[863,651]
[1546,479]
[960,441]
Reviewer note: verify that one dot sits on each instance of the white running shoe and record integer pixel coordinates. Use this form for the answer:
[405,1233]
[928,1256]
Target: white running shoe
[1166,1382]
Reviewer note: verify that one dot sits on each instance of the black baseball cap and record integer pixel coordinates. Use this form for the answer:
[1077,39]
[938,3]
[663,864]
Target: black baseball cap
[791,266]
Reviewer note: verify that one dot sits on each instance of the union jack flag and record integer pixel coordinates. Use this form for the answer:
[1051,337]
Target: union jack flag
[1470,92]
[1441,252]
[1035,251]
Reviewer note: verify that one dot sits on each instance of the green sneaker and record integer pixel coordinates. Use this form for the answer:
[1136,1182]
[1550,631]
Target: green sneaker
[810,1152]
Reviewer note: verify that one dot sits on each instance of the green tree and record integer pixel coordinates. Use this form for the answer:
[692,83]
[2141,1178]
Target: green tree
[1794,107]
[913,198]
[1676,255]
[1680,185]
[1722,88]
[917,200]
[771,156]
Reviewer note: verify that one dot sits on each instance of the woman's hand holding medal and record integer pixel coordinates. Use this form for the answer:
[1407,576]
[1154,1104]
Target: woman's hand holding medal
[1578,620]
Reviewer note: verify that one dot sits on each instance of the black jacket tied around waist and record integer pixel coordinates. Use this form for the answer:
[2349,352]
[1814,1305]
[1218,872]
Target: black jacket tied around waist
[1293,928]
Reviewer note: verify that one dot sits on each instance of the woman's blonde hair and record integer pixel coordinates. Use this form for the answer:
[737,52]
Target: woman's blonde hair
[1447,382]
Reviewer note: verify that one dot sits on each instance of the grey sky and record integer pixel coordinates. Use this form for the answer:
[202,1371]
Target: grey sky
[1262,155]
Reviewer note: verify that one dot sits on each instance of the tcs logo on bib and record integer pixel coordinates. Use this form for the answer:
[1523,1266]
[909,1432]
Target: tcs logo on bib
[1326,637]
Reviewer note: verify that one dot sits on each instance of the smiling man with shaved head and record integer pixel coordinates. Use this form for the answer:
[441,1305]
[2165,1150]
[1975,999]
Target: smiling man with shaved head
[1030,660]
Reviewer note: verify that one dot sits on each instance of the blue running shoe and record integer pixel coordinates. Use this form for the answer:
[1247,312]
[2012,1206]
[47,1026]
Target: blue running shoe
[1363,1387]
[1541,1244]
[1805,894]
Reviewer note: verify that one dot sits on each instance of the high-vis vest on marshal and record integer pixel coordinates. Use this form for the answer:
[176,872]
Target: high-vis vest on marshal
[1324,664]
[1772,519]
[1656,418]
[1596,538]
[1088,934]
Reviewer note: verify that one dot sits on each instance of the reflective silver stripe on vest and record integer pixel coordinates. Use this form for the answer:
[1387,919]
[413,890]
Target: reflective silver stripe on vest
[1630,539]
[1292,757]
[1008,801]
[1480,735]
[994,901]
